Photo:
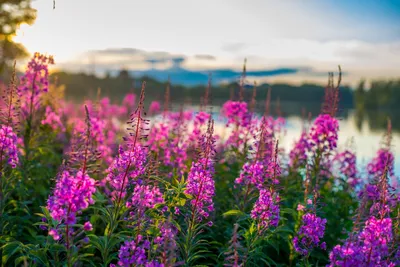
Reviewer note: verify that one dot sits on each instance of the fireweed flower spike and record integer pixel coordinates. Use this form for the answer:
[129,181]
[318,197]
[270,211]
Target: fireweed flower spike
[383,163]
[237,114]
[74,187]
[34,83]
[200,182]
[130,163]
[266,209]
[176,155]
[312,228]
[9,112]
[53,120]
[262,170]
[200,186]
[310,234]
[373,245]
[324,131]
[348,167]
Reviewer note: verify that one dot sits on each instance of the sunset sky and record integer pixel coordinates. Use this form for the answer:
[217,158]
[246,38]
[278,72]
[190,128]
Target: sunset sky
[310,36]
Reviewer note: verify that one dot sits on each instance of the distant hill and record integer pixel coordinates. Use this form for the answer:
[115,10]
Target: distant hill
[293,98]
[200,77]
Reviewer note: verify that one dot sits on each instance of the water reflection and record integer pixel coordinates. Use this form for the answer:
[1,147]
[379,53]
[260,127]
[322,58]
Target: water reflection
[366,129]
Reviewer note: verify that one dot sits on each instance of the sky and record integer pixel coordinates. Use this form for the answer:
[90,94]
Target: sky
[311,37]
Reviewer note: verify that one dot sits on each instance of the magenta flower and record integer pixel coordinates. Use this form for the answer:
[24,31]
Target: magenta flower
[132,253]
[266,209]
[324,134]
[200,120]
[348,166]
[310,233]
[368,248]
[129,101]
[154,107]
[98,135]
[125,170]
[34,82]
[158,139]
[298,155]
[145,197]
[376,237]
[201,186]
[54,233]
[87,226]
[252,173]
[53,120]
[265,138]
[236,112]
[8,146]
[383,160]
[72,194]
[258,173]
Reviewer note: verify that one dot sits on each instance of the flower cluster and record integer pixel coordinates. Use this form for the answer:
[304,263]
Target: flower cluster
[98,135]
[72,194]
[154,107]
[383,160]
[200,120]
[134,253]
[125,169]
[252,173]
[310,233]
[129,101]
[258,173]
[348,167]
[324,134]
[34,82]
[266,209]
[201,186]
[53,120]
[145,197]
[236,112]
[298,155]
[158,139]
[368,248]
[8,146]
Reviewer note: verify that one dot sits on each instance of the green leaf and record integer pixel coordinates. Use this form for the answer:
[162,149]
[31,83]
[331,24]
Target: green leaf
[233,213]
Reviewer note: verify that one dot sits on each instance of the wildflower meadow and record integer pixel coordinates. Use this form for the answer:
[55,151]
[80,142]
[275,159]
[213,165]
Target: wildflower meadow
[138,183]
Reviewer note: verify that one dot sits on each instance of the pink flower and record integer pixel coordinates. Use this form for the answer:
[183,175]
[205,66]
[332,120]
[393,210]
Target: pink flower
[87,226]
[154,107]
[34,83]
[53,120]
[266,209]
[8,146]
[300,207]
[324,134]
[53,233]
[145,197]
[125,170]
[72,194]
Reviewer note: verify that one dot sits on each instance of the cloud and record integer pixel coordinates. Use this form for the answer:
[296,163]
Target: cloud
[132,56]
[205,57]
[161,65]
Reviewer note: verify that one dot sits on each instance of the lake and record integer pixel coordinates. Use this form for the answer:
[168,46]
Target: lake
[354,131]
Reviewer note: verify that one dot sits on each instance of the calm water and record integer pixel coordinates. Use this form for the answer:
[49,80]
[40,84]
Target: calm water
[353,132]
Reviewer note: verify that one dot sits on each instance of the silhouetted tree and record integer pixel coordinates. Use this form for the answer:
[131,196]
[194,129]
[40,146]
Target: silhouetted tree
[13,13]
